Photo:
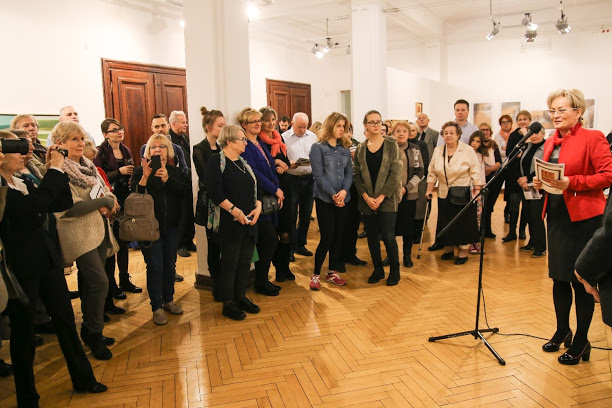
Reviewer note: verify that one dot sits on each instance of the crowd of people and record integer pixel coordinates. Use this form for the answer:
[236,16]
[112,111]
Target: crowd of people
[258,182]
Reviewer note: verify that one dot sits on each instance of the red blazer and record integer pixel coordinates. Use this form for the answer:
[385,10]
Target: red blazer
[588,165]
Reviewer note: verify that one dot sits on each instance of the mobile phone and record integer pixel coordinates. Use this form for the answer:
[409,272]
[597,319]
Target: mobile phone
[155,163]
[249,219]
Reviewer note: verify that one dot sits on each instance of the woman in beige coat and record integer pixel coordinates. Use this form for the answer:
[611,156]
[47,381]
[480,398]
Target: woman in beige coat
[85,233]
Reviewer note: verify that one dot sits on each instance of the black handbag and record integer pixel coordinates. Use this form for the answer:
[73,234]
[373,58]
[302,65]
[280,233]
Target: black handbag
[269,204]
[458,195]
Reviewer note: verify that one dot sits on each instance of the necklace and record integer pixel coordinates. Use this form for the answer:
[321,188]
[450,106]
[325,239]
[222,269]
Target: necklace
[239,168]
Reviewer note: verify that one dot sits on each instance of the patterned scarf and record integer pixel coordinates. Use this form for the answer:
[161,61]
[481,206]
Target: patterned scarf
[82,174]
[275,142]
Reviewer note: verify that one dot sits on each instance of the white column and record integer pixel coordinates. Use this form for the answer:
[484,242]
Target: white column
[369,52]
[218,77]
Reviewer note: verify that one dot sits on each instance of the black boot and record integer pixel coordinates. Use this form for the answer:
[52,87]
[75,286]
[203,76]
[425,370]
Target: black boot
[514,215]
[126,284]
[108,341]
[394,277]
[407,249]
[95,342]
[376,276]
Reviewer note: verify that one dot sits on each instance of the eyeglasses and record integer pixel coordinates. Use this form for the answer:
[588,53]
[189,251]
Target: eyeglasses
[485,129]
[561,111]
[253,121]
[163,147]
[119,129]
[241,139]
[505,122]
[374,123]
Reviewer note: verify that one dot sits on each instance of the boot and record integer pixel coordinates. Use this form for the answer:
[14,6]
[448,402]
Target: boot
[514,215]
[407,249]
[126,284]
[95,342]
[394,277]
[376,276]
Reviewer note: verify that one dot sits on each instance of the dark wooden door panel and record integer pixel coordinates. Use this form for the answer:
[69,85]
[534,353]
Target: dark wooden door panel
[172,93]
[288,98]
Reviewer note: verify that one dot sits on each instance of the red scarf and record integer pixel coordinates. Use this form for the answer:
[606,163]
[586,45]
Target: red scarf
[275,142]
[557,140]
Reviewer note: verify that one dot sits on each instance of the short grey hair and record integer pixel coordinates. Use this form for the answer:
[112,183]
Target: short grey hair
[298,115]
[229,133]
[174,116]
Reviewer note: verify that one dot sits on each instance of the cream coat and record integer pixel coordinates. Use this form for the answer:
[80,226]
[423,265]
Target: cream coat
[464,169]
[79,235]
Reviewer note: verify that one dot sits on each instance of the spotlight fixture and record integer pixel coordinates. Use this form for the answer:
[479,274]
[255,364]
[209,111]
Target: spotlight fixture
[252,11]
[562,25]
[527,23]
[329,45]
[316,51]
[348,49]
[494,32]
[530,35]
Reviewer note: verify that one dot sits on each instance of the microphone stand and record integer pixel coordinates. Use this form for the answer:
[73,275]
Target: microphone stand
[477,333]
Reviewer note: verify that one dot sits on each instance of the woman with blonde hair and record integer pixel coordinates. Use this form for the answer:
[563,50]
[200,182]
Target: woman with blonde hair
[333,175]
[85,233]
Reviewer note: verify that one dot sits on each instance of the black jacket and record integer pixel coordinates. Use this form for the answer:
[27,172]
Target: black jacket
[168,196]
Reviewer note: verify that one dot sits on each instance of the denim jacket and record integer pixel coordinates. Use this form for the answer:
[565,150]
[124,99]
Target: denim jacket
[331,169]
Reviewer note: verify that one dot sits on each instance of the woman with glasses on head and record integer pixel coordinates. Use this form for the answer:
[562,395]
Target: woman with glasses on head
[212,123]
[377,176]
[258,156]
[270,136]
[232,186]
[168,186]
[492,163]
[115,158]
[573,216]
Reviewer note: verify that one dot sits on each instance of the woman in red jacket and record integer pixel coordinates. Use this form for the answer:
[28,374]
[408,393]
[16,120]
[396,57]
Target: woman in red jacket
[573,216]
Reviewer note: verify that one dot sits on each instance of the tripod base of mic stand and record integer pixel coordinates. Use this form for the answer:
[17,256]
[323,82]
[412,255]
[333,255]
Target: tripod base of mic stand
[477,334]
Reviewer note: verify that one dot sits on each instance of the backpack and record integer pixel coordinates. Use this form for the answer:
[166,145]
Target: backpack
[139,222]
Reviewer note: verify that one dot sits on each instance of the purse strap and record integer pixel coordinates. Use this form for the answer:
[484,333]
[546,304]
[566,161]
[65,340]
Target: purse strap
[444,156]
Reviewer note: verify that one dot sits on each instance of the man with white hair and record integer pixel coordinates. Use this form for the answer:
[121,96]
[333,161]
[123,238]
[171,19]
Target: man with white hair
[69,113]
[178,135]
[30,124]
[299,140]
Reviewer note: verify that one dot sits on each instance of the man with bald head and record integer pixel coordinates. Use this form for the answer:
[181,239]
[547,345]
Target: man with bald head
[67,113]
[299,140]
[426,134]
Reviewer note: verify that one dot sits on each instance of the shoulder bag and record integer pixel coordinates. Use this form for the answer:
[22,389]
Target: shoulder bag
[458,195]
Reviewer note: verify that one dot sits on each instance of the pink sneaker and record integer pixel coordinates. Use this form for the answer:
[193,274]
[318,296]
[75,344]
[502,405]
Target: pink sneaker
[333,277]
[315,283]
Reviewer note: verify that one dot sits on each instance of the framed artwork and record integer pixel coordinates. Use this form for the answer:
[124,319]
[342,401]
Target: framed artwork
[510,108]
[588,118]
[418,108]
[543,117]
[482,112]
[45,124]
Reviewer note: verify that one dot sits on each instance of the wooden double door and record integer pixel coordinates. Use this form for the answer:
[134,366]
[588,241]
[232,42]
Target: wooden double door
[133,93]
[287,98]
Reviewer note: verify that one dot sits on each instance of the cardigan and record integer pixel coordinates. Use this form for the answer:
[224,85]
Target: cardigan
[388,181]
[462,170]
[265,170]
[588,166]
[415,171]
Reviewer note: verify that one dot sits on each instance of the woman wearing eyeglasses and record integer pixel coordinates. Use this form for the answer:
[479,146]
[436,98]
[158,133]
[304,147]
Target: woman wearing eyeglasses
[115,158]
[263,164]
[168,186]
[574,216]
[377,176]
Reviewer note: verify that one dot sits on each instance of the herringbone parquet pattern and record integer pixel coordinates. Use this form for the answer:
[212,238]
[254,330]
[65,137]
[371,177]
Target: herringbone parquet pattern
[359,345]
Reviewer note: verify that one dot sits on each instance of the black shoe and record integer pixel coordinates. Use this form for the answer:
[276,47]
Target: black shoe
[114,310]
[95,343]
[386,261]
[74,294]
[522,235]
[490,234]
[45,328]
[362,235]
[266,290]
[273,286]
[184,253]
[461,261]
[341,268]
[5,369]
[552,345]
[291,258]
[355,261]
[303,251]
[376,276]
[233,311]
[38,341]
[118,294]
[128,286]
[447,256]
[106,318]
[289,275]
[510,237]
[435,247]
[393,279]
[408,262]
[526,248]
[248,306]
[108,341]
[178,278]
[94,388]
[192,247]
[538,254]
[280,277]
[567,359]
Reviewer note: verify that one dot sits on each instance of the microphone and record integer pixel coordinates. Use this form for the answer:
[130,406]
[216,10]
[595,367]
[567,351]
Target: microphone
[535,127]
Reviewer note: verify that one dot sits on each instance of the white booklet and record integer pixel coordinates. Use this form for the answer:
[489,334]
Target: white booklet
[549,171]
[531,193]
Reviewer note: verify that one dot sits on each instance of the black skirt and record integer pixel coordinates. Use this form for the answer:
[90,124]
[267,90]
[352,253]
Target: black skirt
[284,214]
[566,239]
[404,223]
[464,231]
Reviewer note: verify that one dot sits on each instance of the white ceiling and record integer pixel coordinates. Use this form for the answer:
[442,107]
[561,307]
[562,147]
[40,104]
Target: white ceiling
[410,23]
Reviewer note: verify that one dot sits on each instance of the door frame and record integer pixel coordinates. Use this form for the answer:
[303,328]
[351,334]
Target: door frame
[108,64]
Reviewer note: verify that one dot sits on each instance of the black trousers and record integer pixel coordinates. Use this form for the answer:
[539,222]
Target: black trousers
[49,284]
[302,200]
[331,225]
[537,230]
[383,223]
[122,260]
[353,218]
[267,241]
[186,224]
[236,255]
[214,257]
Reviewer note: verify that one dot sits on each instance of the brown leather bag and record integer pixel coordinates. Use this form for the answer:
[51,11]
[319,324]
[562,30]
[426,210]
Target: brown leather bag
[139,222]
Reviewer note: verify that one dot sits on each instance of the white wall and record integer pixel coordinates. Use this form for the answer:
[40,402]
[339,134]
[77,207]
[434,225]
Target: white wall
[53,50]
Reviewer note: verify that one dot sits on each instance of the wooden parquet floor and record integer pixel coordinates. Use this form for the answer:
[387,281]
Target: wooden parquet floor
[360,345]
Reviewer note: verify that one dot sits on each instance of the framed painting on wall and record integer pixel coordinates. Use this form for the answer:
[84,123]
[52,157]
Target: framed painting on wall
[418,108]
[510,108]
[482,113]
[588,118]
[45,124]
[543,117]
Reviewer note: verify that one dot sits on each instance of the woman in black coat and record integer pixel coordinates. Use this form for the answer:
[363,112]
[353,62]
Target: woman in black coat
[27,229]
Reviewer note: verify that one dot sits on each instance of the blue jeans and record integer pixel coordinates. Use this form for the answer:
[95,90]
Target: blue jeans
[160,258]
[302,199]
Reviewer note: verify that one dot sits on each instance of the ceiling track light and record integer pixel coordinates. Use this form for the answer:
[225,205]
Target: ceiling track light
[494,32]
[562,25]
[527,22]
[530,35]
[316,51]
